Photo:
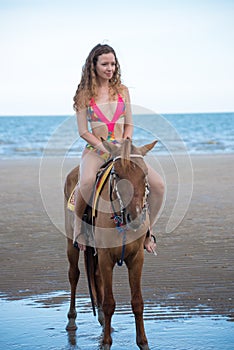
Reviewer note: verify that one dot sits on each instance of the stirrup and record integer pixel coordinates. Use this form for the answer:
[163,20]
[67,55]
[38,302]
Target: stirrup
[75,245]
[148,234]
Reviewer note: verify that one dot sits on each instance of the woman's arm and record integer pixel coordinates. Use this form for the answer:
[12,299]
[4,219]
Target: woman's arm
[85,133]
[128,125]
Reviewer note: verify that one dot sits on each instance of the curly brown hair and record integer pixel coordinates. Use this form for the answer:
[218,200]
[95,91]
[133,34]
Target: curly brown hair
[87,87]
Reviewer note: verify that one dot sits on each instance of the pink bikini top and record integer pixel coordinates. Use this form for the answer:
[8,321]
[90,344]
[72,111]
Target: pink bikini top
[96,115]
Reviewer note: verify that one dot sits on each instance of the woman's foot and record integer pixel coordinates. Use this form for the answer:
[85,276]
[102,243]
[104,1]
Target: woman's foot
[150,243]
[82,247]
[80,242]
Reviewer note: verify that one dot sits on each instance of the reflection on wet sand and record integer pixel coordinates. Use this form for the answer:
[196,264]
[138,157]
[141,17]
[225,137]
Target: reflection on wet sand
[39,323]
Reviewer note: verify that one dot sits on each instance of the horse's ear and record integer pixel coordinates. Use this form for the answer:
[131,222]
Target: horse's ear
[146,148]
[111,148]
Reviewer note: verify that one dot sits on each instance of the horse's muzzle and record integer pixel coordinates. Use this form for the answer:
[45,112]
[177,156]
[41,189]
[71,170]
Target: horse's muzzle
[134,224]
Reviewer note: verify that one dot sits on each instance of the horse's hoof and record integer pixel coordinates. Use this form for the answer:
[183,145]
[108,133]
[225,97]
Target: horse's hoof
[105,347]
[71,326]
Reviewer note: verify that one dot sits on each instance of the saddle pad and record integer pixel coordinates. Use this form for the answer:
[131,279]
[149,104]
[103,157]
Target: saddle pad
[71,200]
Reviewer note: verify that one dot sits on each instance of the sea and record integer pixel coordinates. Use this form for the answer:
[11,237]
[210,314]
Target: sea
[36,136]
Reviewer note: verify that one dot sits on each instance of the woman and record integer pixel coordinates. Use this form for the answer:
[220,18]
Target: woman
[104,102]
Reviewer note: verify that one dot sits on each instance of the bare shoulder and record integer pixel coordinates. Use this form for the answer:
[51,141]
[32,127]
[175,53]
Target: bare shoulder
[125,92]
[81,100]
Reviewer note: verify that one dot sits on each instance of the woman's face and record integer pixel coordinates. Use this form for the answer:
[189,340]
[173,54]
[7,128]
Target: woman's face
[105,66]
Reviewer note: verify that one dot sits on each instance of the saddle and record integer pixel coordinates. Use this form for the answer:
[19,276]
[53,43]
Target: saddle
[101,178]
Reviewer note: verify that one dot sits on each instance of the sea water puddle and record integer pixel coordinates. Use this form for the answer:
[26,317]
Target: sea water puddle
[39,323]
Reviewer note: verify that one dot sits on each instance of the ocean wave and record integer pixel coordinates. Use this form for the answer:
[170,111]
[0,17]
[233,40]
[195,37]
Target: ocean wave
[195,134]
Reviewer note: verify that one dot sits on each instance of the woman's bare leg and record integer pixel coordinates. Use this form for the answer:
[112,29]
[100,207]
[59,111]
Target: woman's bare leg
[155,200]
[89,166]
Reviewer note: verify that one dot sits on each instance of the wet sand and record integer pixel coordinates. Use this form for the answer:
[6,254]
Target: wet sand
[194,266]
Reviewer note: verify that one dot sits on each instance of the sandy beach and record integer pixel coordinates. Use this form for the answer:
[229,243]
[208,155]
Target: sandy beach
[194,266]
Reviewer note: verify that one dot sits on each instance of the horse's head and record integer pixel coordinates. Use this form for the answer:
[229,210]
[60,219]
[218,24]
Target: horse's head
[129,180]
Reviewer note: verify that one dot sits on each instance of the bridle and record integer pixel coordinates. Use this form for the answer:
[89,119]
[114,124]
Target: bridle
[122,220]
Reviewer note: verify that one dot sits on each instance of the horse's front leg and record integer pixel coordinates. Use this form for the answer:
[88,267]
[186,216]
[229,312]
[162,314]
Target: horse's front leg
[135,266]
[73,274]
[106,266]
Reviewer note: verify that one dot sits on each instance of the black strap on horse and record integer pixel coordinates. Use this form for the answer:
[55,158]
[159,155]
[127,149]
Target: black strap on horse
[88,256]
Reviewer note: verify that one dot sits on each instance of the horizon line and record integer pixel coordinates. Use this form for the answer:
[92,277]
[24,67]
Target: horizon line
[70,115]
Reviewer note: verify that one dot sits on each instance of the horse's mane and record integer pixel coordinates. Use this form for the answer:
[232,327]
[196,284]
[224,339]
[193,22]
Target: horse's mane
[125,153]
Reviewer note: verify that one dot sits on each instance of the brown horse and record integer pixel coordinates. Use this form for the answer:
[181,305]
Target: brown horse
[121,224]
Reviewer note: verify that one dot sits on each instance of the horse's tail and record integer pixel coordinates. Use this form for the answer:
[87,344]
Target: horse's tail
[91,262]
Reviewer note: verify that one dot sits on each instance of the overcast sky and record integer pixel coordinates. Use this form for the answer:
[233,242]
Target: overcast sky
[175,56]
